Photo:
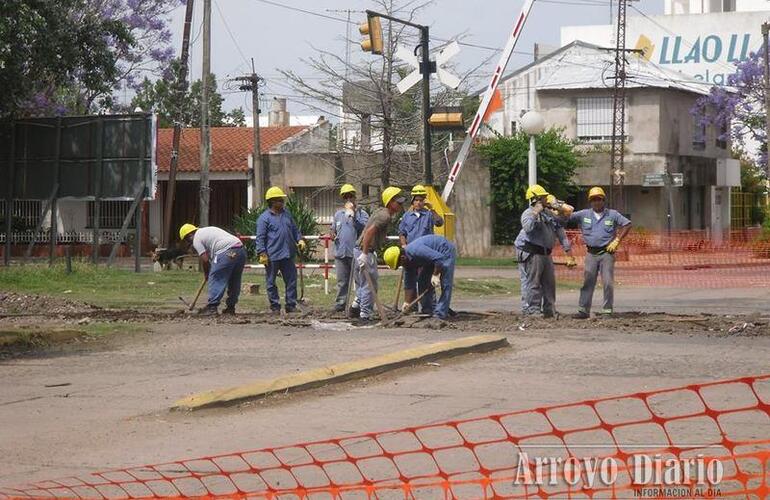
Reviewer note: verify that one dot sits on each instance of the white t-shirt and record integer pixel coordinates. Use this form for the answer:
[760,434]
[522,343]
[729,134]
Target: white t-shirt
[213,240]
[597,215]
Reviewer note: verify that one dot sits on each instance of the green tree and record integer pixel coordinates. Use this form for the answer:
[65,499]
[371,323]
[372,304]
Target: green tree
[48,49]
[557,160]
[159,97]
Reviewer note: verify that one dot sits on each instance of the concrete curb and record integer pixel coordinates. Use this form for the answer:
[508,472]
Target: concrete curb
[341,372]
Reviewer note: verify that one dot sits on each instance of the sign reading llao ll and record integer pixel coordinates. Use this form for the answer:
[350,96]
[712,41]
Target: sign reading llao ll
[703,46]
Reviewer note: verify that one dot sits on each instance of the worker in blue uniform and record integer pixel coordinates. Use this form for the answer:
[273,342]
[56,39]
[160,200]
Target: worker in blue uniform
[417,222]
[436,252]
[277,241]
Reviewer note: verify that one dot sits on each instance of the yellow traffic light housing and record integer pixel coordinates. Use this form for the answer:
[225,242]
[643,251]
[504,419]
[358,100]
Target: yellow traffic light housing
[373,31]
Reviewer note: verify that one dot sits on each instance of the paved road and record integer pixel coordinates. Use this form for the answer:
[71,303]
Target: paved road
[113,412]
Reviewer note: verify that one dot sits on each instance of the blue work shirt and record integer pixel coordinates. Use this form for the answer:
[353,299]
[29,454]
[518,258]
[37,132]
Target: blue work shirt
[542,230]
[599,232]
[346,230]
[416,223]
[430,250]
[277,235]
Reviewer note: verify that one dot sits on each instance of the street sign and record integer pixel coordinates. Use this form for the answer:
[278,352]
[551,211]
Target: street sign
[412,78]
[661,180]
[442,58]
[444,76]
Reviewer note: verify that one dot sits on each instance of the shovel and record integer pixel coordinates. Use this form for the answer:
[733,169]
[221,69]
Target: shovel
[190,307]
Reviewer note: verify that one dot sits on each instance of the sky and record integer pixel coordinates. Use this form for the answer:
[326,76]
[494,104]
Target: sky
[279,38]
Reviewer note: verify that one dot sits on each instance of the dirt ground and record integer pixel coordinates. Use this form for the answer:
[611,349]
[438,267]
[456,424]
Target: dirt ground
[82,407]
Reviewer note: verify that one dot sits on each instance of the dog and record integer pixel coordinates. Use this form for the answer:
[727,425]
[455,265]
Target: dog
[168,256]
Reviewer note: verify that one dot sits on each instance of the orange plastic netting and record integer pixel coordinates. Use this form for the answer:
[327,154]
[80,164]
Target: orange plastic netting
[494,456]
[686,259]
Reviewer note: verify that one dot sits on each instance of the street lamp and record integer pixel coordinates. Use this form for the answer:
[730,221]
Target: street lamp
[532,123]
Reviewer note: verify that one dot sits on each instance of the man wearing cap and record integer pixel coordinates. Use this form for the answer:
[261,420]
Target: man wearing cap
[347,225]
[222,258]
[277,241]
[603,229]
[540,228]
[418,222]
[371,240]
[434,252]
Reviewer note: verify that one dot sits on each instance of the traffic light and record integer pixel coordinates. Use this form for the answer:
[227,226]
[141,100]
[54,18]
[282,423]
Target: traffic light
[447,118]
[372,29]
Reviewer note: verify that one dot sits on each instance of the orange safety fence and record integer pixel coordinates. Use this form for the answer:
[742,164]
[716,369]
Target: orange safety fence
[688,259]
[700,440]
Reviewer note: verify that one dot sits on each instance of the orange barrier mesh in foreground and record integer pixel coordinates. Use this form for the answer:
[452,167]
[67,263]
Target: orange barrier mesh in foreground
[482,457]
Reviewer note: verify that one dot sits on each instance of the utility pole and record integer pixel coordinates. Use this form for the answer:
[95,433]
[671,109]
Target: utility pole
[259,178]
[765,31]
[617,172]
[426,69]
[179,91]
[205,122]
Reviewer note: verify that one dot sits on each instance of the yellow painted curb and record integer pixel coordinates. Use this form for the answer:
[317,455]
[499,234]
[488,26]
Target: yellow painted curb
[341,372]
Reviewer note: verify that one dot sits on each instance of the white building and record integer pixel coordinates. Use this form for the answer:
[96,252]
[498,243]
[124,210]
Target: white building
[679,7]
[572,89]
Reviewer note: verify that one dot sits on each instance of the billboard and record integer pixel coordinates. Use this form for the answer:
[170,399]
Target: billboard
[703,46]
[109,157]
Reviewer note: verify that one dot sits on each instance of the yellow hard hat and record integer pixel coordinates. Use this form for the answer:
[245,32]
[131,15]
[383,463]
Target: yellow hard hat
[536,191]
[274,192]
[390,193]
[391,257]
[185,230]
[550,199]
[347,188]
[596,192]
[419,190]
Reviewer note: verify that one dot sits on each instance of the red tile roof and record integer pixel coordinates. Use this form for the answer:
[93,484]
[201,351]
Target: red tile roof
[230,147]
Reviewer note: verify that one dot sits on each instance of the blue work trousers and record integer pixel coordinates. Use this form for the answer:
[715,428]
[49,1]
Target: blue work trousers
[289,273]
[225,273]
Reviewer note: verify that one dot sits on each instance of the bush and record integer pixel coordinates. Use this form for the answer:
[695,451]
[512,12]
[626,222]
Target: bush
[303,215]
[508,157]
[757,216]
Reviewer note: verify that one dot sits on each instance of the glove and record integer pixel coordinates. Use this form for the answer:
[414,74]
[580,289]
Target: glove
[301,245]
[571,262]
[363,260]
[349,209]
[435,280]
[263,259]
[614,244]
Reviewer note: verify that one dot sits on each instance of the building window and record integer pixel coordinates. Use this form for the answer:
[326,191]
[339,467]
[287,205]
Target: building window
[721,141]
[698,135]
[25,215]
[594,119]
[322,200]
[111,214]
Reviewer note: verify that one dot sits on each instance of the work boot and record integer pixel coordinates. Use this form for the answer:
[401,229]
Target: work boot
[581,315]
[228,311]
[291,310]
[207,311]
[355,311]
[339,308]
[363,321]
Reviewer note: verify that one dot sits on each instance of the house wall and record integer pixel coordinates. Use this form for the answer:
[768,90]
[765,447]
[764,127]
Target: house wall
[314,140]
[471,204]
